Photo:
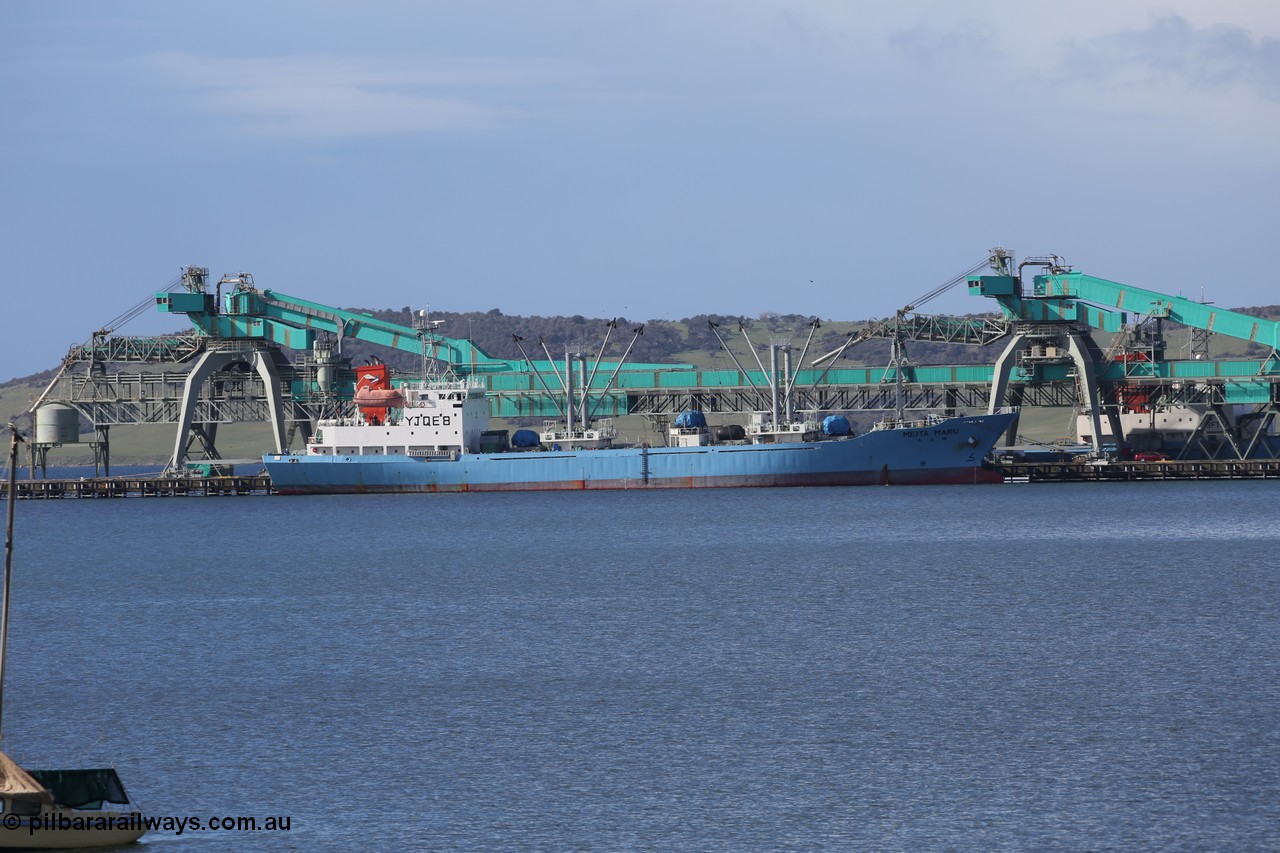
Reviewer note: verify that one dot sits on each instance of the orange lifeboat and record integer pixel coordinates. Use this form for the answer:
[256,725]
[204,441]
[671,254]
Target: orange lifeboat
[374,395]
[381,398]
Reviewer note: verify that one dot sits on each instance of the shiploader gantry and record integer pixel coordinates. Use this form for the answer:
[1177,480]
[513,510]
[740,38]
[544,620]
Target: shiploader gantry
[235,366]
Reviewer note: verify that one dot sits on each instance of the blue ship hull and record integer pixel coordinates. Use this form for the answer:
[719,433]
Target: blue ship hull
[947,452]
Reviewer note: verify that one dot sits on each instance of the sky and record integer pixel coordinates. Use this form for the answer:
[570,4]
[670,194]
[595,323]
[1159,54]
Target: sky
[651,160]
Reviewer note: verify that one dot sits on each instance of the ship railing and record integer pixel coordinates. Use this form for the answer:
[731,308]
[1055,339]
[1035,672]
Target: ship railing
[592,434]
[908,423]
[434,455]
[767,428]
[442,384]
[929,420]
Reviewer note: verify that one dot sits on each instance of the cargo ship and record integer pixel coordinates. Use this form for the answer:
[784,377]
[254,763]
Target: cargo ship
[433,436]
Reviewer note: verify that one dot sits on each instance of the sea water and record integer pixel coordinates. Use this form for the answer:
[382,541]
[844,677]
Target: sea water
[1043,667]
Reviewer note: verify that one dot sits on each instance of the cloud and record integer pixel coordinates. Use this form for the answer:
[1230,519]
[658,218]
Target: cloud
[1173,52]
[322,97]
[934,47]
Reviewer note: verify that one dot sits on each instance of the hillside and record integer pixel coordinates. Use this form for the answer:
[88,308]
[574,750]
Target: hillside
[689,340]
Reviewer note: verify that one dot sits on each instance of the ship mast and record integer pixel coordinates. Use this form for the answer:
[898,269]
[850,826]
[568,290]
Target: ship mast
[426,326]
[899,356]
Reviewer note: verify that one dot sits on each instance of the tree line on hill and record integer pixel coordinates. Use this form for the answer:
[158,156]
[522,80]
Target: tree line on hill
[667,341]
[661,340]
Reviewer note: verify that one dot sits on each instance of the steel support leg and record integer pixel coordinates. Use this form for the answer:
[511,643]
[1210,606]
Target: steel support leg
[1000,382]
[275,402]
[1088,381]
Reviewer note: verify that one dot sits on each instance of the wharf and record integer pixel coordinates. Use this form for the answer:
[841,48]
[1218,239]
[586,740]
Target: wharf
[1083,471]
[1077,471]
[143,487]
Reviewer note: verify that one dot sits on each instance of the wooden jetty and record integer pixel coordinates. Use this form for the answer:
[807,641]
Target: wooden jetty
[1084,471]
[1075,471]
[152,486]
